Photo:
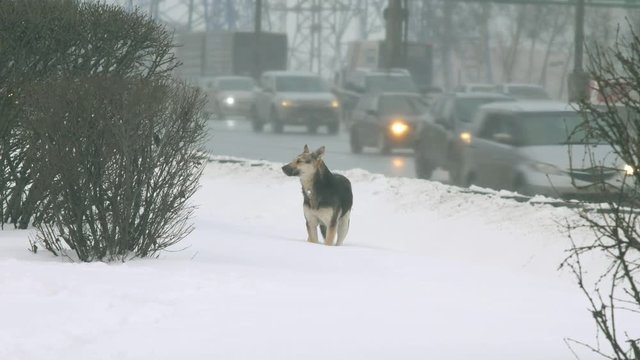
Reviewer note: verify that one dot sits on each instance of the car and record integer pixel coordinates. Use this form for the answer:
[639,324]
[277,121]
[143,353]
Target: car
[295,98]
[229,96]
[438,141]
[359,82]
[386,121]
[540,148]
[523,91]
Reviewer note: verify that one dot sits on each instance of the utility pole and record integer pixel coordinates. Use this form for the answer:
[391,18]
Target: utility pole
[579,79]
[396,20]
[257,30]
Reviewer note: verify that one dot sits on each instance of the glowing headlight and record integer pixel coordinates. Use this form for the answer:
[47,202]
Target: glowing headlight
[399,128]
[546,168]
[335,104]
[465,137]
[628,169]
[285,103]
[230,100]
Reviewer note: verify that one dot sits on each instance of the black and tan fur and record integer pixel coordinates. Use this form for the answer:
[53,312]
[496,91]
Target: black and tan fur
[327,197]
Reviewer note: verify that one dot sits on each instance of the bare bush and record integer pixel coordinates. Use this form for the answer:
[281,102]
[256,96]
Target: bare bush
[612,289]
[122,157]
[41,39]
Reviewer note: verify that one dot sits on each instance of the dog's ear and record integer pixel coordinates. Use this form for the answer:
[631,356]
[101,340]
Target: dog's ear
[318,153]
[306,149]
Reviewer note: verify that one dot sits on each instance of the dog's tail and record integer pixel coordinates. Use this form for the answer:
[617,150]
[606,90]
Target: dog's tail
[323,230]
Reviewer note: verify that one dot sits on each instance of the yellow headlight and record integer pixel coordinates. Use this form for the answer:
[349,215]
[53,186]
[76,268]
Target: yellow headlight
[628,169]
[335,104]
[399,128]
[465,137]
[285,103]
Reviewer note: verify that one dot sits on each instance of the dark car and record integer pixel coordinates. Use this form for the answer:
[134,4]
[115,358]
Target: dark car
[439,137]
[386,121]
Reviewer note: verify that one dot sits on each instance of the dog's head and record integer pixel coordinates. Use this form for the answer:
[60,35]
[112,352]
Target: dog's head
[305,163]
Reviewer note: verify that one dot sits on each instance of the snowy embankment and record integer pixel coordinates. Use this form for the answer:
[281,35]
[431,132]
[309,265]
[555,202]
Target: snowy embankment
[426,272]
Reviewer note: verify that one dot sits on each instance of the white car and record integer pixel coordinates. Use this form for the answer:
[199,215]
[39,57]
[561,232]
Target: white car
[540,148]
[230,96]
[295,98]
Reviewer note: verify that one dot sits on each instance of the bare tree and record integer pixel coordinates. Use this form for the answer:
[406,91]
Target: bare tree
[613,291]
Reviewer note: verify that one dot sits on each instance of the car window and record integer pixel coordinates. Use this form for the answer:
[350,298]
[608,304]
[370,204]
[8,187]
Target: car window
[365,103]
[235,84]
[405,105]
[390,83]
[294,83]
[496,124]
[554,128]
[465,108]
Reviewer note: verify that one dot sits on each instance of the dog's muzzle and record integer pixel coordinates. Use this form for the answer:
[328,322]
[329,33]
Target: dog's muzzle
[290,170]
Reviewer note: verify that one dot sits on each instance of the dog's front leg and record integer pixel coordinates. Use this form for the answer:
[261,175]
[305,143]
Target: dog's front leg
[312,225]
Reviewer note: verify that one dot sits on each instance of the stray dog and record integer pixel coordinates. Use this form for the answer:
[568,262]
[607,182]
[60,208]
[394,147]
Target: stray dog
[327,197]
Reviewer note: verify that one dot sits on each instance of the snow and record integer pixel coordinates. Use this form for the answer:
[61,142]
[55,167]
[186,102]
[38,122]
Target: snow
[427,272]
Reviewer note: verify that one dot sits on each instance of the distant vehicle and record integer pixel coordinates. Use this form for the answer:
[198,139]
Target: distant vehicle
[539,148]
[476,87]
[372,54]
[439,139]
[224,53]
[386,121]
[364,81]
[229,96]
[295,98]
[523,91]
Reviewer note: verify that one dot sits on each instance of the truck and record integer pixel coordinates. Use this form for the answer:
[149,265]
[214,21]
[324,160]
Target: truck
[365,71]
[210,54]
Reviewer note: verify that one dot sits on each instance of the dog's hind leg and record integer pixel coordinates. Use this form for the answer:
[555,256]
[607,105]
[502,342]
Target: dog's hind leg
[323,231]
[343,227]
[330,239]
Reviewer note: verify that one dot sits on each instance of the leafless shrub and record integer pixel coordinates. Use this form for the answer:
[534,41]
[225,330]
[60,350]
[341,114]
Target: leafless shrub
[612,113]
[41,39]
[122,157]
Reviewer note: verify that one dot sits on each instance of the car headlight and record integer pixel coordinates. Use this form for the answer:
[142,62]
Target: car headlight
[546,168]
[398,128]
[335,104]
[629,170]
[465,137]
[230,100]
[285,103]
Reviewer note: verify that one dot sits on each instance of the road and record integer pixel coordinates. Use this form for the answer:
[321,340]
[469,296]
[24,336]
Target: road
[235,138]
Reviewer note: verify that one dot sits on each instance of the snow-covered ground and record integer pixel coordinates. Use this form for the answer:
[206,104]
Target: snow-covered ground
[427,272]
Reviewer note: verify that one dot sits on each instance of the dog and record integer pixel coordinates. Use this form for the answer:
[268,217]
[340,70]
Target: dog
[327,197]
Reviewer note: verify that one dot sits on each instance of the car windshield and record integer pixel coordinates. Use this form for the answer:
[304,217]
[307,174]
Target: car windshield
[300,84]
[235,84]
[557,128]
[467,107]
[528,92]
[390,83]
[402,105]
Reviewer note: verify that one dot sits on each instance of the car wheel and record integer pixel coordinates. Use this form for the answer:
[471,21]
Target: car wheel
[424,168]
[383,144]
[256,124]
[276,125]
[356,145]
[469,180]
[333,128]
